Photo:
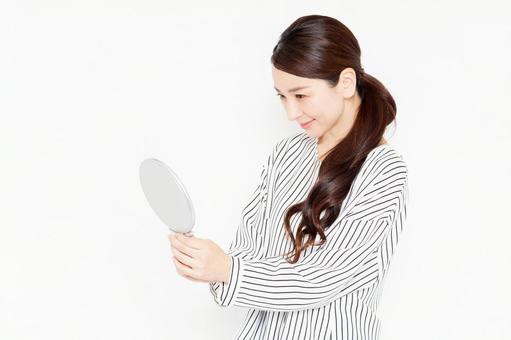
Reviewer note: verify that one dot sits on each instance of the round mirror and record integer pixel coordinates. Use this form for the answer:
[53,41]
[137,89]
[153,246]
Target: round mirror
[167,195]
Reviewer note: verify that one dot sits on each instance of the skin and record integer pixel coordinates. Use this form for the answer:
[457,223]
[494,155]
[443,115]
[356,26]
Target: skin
[332,110]
[199,260]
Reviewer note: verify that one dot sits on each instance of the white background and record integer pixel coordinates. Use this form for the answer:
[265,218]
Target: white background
[88,89]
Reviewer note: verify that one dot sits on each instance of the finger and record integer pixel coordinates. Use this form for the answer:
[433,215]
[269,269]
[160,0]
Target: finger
[182,269]
[196,280]
[178,265]
[177,243]
[191,241]
[193,279]
[171,238]
[183,258]
[187,276]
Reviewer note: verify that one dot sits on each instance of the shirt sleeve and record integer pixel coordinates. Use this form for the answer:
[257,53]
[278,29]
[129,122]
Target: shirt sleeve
[346,262]
[248,242]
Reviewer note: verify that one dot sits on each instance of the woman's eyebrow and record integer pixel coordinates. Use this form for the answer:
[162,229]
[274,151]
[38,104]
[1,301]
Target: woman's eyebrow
[294,89]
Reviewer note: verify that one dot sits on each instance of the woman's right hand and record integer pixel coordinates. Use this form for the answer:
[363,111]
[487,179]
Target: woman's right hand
[178,265]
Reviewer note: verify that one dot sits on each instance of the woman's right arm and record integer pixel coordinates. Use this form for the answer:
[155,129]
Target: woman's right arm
[248,242]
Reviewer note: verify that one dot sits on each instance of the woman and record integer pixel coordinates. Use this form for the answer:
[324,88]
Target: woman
[317,235]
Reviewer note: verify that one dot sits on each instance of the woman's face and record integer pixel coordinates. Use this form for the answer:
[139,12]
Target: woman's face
[313,100]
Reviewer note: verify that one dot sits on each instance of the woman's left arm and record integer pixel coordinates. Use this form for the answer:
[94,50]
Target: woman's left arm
[348,261]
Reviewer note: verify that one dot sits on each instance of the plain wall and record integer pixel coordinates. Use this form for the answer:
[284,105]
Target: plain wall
[89,89]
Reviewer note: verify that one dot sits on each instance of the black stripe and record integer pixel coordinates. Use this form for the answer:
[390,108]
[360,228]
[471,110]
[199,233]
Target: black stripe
[333,291]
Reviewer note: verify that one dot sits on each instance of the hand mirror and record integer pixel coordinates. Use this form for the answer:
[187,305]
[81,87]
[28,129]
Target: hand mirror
[167,195]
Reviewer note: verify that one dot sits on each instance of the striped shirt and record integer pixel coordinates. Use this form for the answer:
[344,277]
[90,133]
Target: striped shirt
[333,291]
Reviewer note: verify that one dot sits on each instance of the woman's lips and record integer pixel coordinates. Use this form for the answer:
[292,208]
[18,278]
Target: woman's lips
[306,125]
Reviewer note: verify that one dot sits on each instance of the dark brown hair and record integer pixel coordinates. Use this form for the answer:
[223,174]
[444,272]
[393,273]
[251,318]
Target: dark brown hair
[320,47]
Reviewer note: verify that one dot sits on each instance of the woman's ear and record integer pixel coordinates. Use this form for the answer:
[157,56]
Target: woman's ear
[347,82]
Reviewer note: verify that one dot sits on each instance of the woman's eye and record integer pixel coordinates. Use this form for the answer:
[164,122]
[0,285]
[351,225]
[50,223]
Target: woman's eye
[299,96]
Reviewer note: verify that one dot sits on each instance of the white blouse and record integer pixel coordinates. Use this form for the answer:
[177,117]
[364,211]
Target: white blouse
[333,291]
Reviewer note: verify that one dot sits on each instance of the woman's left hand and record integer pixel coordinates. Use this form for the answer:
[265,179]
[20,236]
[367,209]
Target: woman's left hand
[199,259]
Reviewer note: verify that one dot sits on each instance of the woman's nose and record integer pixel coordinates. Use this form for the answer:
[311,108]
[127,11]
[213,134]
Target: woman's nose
[293,112]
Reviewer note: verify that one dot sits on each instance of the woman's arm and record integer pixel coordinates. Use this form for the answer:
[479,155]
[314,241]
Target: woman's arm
[248,241]
[346,262]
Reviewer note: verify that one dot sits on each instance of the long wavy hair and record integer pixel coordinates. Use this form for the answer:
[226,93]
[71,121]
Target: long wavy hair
[317,46]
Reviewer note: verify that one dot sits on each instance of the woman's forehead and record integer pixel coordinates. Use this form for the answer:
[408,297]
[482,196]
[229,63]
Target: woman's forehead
[287,82]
